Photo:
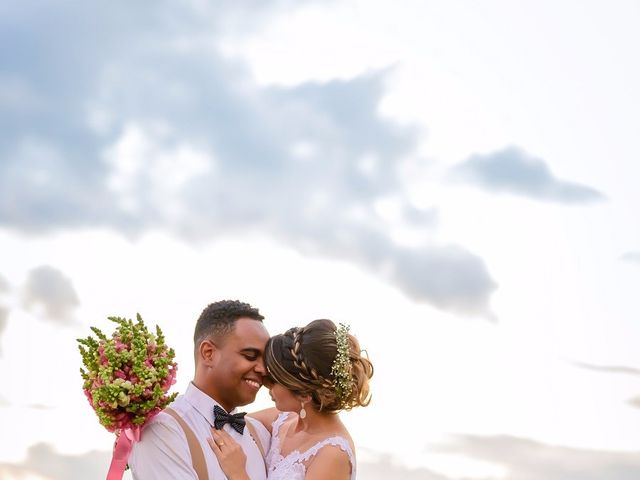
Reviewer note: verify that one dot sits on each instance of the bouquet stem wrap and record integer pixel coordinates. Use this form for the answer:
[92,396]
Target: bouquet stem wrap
[121,452]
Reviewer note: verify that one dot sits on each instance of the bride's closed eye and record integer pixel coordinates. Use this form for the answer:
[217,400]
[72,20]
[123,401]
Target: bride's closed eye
[268,381]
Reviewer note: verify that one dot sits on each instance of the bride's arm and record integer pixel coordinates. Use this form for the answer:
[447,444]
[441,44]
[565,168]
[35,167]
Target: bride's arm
[329,462]
[266,416]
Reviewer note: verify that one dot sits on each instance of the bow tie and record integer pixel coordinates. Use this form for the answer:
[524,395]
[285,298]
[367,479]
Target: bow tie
[220,417]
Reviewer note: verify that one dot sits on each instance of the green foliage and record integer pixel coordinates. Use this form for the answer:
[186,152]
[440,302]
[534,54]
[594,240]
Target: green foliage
[126,377]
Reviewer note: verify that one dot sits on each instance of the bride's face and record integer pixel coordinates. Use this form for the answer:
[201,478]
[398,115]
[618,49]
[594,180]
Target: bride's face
[285,399]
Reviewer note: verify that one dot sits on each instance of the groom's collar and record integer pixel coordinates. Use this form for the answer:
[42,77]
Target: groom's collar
[202,402]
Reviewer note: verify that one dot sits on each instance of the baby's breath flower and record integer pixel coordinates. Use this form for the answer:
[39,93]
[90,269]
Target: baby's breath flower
[341,368]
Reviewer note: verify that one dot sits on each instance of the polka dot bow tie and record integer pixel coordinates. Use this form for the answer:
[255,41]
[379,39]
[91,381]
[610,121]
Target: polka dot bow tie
[220,417]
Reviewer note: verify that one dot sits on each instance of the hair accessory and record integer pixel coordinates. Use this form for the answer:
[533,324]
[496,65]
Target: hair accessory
[341,368]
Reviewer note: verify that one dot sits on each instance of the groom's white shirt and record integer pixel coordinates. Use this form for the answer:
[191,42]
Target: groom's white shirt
[163,452]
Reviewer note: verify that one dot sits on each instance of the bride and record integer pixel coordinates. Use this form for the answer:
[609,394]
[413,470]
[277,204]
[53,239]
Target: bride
[313,373]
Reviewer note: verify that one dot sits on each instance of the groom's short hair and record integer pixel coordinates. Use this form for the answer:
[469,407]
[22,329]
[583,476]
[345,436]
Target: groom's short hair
[218,319]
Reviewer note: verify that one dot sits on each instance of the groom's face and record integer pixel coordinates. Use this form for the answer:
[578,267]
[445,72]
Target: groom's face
[238,368]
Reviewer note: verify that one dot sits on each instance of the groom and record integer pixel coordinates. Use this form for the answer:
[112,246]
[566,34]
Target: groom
[229,342]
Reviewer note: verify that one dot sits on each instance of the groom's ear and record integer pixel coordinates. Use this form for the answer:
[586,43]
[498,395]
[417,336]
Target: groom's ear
[207,352]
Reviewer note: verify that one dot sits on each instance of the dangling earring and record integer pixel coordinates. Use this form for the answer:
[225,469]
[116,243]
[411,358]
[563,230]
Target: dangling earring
[303,412]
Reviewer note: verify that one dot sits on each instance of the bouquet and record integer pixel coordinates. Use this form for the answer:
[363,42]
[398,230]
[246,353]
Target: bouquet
[126,380]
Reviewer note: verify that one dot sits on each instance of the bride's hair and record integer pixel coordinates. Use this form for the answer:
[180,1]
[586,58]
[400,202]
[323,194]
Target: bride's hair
[323,361]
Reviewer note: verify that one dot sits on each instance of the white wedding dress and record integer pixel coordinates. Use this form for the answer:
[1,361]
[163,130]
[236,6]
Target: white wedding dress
[293,466]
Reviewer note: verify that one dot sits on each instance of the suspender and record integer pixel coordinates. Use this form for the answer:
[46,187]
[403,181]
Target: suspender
[197,455]
[256,438]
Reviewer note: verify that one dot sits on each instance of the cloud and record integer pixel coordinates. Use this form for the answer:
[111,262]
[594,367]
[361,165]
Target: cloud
[4,311]
[449,277]
[40,406]
[635,402]
[43,460]
[50,290]
[618,369]
[522,459]
[530,460]
[4,316]
[4,285]
[514,171]
[152,128]
[385,468]
[631,257]
[608,368]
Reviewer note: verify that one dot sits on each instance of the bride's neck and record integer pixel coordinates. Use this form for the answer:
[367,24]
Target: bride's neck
[316,422]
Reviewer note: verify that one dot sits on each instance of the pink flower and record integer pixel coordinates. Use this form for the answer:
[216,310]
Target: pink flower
[110,390]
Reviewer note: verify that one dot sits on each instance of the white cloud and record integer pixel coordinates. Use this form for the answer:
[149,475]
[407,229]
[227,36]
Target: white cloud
[523,460]
[635,402]
[4,316]
[514,171]
[145,159]
[4,285]
[49,291]
[186,142]
[631,257]
[386,468]
[609,368]
[44,463]
[529,460]
[4,310]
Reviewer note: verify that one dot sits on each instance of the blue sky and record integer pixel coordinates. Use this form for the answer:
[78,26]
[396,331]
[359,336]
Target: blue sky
[457,181]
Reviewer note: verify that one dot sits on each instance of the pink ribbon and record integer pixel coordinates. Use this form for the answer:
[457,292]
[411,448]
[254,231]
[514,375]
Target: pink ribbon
[121,452]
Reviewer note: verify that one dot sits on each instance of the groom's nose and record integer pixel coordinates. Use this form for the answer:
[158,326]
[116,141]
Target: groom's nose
[259,367]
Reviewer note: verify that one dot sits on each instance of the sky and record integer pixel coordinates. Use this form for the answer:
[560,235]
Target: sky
[456,180]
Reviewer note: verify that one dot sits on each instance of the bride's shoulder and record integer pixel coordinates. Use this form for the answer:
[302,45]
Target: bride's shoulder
[266,416]
[333,460]
[340,431]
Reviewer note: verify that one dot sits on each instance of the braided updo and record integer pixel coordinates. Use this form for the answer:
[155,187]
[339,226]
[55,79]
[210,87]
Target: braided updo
[301,359]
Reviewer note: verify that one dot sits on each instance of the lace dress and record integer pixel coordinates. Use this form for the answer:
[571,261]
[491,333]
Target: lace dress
[292,467]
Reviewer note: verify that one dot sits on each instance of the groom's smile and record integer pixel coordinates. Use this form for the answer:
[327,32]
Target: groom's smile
[255,384]
[238,364]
